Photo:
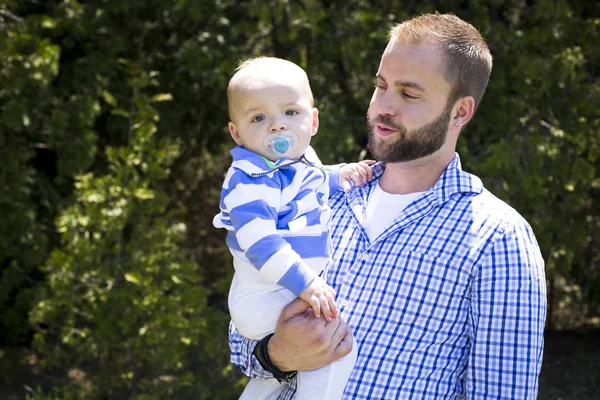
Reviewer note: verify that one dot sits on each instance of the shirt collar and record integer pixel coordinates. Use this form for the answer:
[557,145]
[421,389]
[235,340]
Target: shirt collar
[453,180]
[240,153]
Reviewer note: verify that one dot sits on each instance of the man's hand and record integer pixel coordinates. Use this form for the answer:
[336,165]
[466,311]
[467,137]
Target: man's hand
[304,342]
[356,174]
[321,298]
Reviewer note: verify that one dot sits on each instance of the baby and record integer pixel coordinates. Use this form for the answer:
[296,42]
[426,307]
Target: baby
[274,206]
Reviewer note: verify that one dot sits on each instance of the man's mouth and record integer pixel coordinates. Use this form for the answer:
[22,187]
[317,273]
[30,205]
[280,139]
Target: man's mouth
[384,130]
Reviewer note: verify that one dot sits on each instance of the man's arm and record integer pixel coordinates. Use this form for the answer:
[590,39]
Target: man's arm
[300,342]
[508,313]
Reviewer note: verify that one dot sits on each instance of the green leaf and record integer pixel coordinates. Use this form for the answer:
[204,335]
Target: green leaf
[133,278]
[162,97]
[109,98]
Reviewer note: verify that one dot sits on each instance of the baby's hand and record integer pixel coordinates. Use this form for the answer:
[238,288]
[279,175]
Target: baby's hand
[359,173]
[321,298]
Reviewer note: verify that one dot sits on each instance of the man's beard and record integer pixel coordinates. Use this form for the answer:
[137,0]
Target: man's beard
[411,145]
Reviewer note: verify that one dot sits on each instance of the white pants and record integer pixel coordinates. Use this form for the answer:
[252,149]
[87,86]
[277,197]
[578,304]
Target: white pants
[255,313]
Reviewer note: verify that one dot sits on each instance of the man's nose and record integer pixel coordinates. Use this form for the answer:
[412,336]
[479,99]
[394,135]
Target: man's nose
[385,105]
[277,125]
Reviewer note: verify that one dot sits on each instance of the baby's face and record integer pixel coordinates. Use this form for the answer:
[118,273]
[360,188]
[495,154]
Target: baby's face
[266,109]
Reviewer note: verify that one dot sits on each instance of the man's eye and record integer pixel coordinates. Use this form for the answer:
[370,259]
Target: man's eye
[380,86]
[258,118]
[408,96]
[291,112]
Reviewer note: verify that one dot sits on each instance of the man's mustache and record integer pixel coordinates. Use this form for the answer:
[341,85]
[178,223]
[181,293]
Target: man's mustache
[387,120]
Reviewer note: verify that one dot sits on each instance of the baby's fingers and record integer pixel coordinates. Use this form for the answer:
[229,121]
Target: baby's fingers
[346,185]
[325,308]
[359,176]
[366,169]
[364,174]
[315,303]
[332,304]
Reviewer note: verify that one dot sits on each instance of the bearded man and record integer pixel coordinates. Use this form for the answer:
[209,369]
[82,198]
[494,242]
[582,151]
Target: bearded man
[441,284]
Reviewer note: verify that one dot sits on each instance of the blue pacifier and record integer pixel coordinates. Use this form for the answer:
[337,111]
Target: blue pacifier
[282,143]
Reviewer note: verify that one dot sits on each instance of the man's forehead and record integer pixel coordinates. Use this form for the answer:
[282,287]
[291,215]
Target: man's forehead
[404,62]
[426,53]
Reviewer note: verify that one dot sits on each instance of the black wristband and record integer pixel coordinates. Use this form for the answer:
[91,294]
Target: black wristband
[262,355]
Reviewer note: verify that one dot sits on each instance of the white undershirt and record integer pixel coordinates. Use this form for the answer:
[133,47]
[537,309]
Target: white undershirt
[383,208]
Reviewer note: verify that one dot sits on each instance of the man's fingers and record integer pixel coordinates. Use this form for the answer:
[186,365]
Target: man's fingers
[344,347]
[340,330]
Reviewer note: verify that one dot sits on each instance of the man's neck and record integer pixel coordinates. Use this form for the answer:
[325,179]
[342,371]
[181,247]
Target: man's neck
[414,176]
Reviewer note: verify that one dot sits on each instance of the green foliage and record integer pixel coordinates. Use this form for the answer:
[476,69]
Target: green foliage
[38,394]
[124,305]
[113,146]
[124,311]
[29,65]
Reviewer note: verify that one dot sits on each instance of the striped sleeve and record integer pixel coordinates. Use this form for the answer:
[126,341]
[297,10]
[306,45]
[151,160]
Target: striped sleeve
[507,318]
[334,177]
[252,204]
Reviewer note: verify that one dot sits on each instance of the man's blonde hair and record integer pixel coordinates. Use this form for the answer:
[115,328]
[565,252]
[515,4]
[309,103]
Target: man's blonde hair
[468,61]
[264,66]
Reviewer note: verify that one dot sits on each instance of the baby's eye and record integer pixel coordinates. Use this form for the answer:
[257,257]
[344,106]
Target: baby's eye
[291,112]
[258,118]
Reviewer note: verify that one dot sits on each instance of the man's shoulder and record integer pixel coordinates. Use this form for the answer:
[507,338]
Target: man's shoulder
[491,211]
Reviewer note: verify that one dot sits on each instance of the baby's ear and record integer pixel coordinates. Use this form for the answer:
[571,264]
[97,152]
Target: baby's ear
[234,133]
[315,122]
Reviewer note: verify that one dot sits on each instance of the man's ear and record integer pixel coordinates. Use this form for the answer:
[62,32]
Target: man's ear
[234,133]
[315,121]
[463,112]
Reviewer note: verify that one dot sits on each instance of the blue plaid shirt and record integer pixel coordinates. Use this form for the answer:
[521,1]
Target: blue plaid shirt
[449,302]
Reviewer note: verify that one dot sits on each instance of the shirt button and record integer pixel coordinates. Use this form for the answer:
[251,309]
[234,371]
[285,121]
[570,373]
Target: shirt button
[365,257]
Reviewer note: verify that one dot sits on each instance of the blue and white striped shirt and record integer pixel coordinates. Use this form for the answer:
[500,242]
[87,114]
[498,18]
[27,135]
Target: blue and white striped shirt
[276,215]
[449,302]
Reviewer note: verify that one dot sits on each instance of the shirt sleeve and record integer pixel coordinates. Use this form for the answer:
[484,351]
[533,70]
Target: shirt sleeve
[508,313]
[252,206]
[242,355]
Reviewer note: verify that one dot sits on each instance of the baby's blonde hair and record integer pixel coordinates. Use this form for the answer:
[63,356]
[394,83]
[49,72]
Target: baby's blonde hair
[261,67]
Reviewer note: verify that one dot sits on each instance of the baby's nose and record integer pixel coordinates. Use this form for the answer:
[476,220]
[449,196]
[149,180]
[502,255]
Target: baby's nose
[277,126]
